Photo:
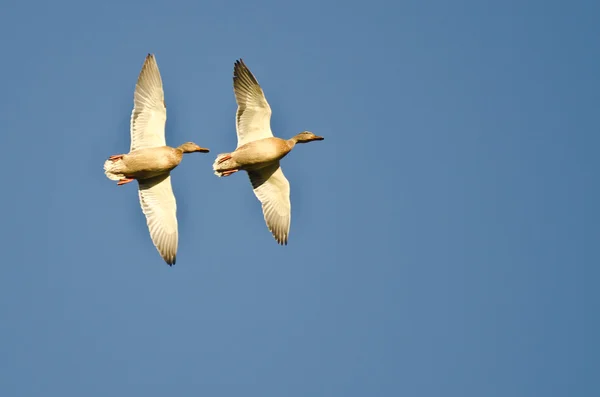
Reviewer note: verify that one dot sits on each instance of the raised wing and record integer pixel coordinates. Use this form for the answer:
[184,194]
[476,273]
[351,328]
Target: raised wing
[273,190]
[149,114]
[159,205]
[253,117]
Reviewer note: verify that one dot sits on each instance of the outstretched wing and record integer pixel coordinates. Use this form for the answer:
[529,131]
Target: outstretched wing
[253,116]
[273,190]
[159,205]
[149,114]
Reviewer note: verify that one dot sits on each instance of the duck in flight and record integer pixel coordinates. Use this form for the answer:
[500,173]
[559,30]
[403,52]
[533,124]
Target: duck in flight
[258,152]
[150,161]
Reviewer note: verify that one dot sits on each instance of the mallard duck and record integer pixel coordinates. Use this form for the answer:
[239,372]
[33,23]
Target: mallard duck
[150,160]
[258,152]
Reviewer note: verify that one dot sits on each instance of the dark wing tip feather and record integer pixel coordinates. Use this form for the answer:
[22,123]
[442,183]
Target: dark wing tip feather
[149,62]
[149,59]
[238,65]
[280,237]
[170,261]
[241,72]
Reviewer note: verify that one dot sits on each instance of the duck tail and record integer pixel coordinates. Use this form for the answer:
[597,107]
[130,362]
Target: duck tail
[218,167]
[112,169]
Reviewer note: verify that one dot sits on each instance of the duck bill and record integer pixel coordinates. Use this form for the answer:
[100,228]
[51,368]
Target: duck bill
[202,150]
[318,138]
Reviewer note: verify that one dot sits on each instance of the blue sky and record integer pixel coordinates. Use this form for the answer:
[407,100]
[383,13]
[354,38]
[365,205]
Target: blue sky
[444,234]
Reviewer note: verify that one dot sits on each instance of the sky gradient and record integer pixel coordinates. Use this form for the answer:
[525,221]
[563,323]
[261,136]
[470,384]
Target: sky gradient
[444,235]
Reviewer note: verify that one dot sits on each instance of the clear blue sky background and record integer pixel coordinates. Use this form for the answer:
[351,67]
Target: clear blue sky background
[444,236]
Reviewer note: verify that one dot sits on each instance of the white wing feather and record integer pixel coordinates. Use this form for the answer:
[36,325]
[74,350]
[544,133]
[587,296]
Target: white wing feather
[253,116]
[273,190]
[149,114]
[159,205]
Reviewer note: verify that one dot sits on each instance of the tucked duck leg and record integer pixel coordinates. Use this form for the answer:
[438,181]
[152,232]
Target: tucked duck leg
[224,158]
[116,157]
[227,173]
[124,181]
